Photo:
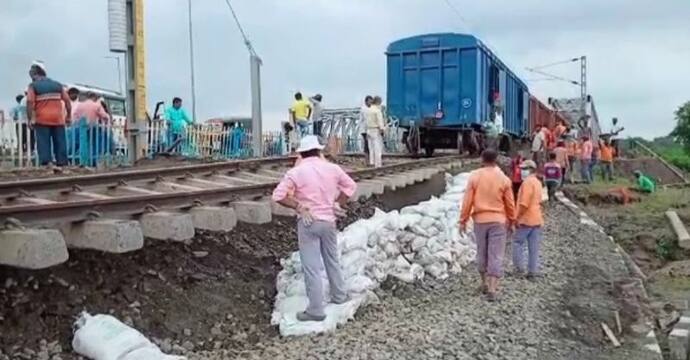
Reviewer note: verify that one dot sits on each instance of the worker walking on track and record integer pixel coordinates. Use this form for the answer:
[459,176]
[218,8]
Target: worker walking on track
[489,202]
[317,190]
[530,222]
[375,129]
[553,175]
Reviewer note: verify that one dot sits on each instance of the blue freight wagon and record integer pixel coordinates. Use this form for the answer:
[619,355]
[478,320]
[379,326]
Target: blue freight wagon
[444,87]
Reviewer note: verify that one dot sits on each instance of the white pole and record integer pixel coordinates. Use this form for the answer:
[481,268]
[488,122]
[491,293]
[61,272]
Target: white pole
[191,59]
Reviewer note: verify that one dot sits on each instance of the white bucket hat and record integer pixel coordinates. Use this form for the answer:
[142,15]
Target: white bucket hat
[309,142]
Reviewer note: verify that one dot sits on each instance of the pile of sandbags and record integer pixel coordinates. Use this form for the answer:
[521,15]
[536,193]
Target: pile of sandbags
[103,337]
[419,240]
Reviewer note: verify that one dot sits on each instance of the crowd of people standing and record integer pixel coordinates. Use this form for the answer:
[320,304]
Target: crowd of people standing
[575,155]
[305,120]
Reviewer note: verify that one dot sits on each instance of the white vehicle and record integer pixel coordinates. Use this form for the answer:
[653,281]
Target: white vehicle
[115,106]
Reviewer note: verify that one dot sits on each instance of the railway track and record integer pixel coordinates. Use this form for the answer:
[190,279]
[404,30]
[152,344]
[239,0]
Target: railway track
[113,212]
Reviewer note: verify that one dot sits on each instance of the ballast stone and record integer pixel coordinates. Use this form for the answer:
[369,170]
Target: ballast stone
[109,235]
[213,218]
[32,248]
[167,226]
[253,212]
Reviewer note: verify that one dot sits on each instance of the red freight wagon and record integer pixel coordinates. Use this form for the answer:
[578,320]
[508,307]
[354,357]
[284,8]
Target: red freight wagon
[542,114]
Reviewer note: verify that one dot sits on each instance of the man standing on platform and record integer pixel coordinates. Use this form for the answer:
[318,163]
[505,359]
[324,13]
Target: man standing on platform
[48,109]
[489,202]
[317,190]
[178,120]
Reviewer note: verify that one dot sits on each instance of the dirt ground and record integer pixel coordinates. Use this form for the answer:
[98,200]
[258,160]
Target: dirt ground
[643,230]
[651,166]
[184,293]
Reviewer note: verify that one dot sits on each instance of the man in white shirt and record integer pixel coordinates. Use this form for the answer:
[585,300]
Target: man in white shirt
[375,128]
[316,111]
[538,145]
[363,123]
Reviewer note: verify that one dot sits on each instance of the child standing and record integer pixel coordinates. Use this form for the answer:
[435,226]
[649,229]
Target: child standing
[553,174]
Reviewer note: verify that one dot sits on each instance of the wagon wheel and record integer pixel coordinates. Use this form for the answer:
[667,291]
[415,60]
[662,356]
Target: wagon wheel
[412,142]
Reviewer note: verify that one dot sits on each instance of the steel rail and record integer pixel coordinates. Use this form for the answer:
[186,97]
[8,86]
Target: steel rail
[75,211]
[55,183]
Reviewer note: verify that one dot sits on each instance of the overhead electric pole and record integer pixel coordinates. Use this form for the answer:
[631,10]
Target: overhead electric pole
[136,80]
[255,78]
[191,59]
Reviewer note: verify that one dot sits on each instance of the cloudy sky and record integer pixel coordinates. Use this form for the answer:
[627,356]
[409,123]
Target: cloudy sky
[638,53]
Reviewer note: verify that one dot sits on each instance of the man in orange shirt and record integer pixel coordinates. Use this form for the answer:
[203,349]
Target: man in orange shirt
[530,222]
[489,202]
[48,108]
[606,153]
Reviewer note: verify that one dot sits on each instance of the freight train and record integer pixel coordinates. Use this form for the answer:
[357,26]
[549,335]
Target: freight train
[443,88]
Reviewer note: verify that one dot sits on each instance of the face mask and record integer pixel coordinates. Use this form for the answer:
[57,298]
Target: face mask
[525,173]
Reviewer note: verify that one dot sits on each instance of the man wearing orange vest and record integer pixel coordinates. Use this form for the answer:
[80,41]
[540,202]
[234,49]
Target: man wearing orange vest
[606,154]
[489,202]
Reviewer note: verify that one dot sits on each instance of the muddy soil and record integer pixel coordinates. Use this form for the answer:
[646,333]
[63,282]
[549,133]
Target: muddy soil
[218,289]
[650,166]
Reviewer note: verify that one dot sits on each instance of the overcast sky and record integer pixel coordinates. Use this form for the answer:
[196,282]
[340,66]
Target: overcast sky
[638,52]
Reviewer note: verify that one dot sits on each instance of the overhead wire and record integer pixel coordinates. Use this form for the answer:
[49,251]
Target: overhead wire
[241,29]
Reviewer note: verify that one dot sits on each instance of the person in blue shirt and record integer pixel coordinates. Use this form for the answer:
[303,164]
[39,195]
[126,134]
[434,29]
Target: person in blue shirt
[23,130]
[177,120]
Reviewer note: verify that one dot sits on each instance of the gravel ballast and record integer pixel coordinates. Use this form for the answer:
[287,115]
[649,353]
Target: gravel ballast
[557,317]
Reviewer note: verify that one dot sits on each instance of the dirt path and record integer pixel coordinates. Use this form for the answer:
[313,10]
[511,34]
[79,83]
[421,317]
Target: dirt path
[557,317]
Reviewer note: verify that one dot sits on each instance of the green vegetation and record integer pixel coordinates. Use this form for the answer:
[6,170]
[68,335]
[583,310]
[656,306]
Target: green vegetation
[681,134]
[674,148]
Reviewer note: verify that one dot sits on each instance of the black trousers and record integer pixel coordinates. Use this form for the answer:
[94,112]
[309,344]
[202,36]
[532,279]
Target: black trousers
[366,144]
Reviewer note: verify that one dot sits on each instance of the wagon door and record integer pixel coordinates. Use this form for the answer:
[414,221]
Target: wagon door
[430,85]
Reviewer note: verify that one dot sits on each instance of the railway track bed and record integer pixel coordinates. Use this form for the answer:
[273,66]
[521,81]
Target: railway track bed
[114,212]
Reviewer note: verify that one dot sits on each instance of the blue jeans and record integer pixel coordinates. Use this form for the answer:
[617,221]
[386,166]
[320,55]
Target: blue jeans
[303,127]
[592,164]
[51,140]
[532,235]
[586,170]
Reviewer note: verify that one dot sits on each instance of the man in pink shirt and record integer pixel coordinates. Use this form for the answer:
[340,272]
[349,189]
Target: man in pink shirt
[318,190]
[585,159]
[90,109]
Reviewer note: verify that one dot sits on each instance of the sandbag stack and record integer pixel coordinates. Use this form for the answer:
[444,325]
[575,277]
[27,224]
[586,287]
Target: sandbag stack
[419,240]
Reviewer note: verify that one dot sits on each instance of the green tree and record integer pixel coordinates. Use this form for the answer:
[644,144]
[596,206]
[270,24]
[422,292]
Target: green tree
[682,131]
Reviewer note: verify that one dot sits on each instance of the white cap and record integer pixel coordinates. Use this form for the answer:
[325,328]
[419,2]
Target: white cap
[309,142]
[40,64]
